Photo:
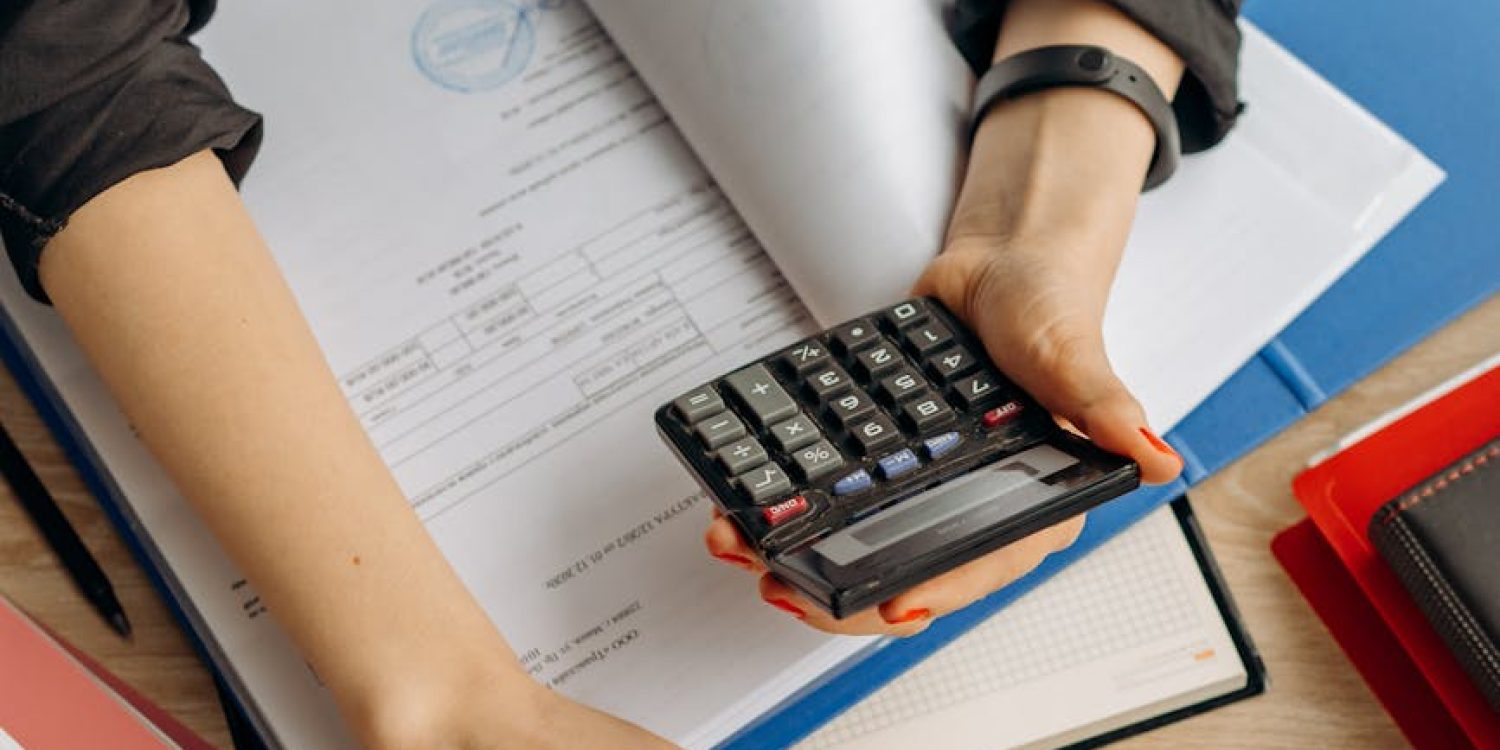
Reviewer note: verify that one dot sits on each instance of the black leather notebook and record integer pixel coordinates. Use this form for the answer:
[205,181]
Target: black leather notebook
[1442,537]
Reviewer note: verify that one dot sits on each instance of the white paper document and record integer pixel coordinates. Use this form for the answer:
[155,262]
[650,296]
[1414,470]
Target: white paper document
[510,257]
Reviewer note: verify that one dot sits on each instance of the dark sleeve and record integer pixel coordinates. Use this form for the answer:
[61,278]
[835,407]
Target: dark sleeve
[1202,32]
[95,91]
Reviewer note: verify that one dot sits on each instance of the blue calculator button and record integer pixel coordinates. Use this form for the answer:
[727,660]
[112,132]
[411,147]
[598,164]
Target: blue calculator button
[940,445]
[853,483]
[898,463]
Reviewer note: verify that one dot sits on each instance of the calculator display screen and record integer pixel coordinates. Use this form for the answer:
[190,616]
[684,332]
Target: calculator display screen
[953,510]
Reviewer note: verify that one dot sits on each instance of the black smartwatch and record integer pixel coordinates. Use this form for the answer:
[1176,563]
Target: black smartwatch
[1086,66]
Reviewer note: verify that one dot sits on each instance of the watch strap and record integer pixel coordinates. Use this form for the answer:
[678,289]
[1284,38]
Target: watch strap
[1085,66]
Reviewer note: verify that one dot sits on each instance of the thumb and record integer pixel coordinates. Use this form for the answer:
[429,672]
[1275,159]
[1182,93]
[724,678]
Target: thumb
[1069,374]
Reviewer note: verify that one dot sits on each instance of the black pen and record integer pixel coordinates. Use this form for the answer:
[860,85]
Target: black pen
[61,537]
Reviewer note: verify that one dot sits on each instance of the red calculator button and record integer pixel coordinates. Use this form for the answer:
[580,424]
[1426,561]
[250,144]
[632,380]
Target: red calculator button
[786,510]
[1001,414]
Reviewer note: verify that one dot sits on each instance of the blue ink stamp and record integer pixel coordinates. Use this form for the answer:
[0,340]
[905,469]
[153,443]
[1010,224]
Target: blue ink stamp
[473,45]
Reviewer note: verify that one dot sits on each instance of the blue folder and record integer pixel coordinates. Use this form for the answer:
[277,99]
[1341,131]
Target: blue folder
[1430,74]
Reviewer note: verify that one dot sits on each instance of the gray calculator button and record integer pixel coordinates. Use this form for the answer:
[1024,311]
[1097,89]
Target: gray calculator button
[808,355]
[761,394]
[817,460]
[763,483]
[720,429]
[698,403]
[794,433]
[742,455]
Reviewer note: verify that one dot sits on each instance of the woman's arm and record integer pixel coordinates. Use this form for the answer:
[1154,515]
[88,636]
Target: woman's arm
[1038,230]
[173,295]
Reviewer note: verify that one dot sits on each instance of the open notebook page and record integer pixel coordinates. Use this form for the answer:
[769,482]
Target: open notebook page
[1128,633]
[835,128]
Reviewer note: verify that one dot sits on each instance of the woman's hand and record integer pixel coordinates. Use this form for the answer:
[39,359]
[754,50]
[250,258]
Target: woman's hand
[1031,252]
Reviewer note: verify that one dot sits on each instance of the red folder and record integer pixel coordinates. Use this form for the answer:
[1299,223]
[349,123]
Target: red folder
[1390,641]
[53,697]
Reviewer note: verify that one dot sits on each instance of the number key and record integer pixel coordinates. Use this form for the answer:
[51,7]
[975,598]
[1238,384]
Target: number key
[950,364]
[907,313]
[828,382]
[927,338]
[902,385]
[877,360]
[851,407]
[926,413]
[875,434]
[976,390]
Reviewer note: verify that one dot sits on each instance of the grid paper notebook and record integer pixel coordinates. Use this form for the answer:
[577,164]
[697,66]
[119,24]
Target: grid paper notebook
[1140,592]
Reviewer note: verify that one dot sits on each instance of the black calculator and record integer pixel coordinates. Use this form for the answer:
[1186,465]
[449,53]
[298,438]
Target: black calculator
[881,453]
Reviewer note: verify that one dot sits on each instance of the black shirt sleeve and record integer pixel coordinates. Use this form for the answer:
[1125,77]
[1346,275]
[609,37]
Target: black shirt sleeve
[1202,32]
[93,91]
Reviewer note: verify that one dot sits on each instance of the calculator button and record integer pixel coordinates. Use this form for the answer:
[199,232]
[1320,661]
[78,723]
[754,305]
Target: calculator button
[719,430]
[817,460]
[808,355]
[938,446]
[786,510]
[975,390]
[949,365]
[794,433]
[877,360]
[828,382]
[926,413]
[902,385]
[761,394]
[1002,414]
[698,403]
[742,455]
[853,482]
[875,434]
[927,338]
[764,482]
[907,313]
[854,335]
[851,407]
[898,463]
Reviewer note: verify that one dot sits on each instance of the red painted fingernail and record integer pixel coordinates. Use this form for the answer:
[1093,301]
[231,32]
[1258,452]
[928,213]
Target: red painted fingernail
[1159,444]
[733,559]
[912,616]
[786,606]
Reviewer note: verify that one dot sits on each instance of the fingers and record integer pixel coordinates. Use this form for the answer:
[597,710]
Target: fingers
[725,544]
[913,611]
[1042,326]
[1077,384]
[962,586]
[868,622]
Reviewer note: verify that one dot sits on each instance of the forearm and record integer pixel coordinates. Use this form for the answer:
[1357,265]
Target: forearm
[1066,157]
[172,294]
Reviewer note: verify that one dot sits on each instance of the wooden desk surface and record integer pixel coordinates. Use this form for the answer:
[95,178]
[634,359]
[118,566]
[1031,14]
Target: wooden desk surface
[1315,699]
